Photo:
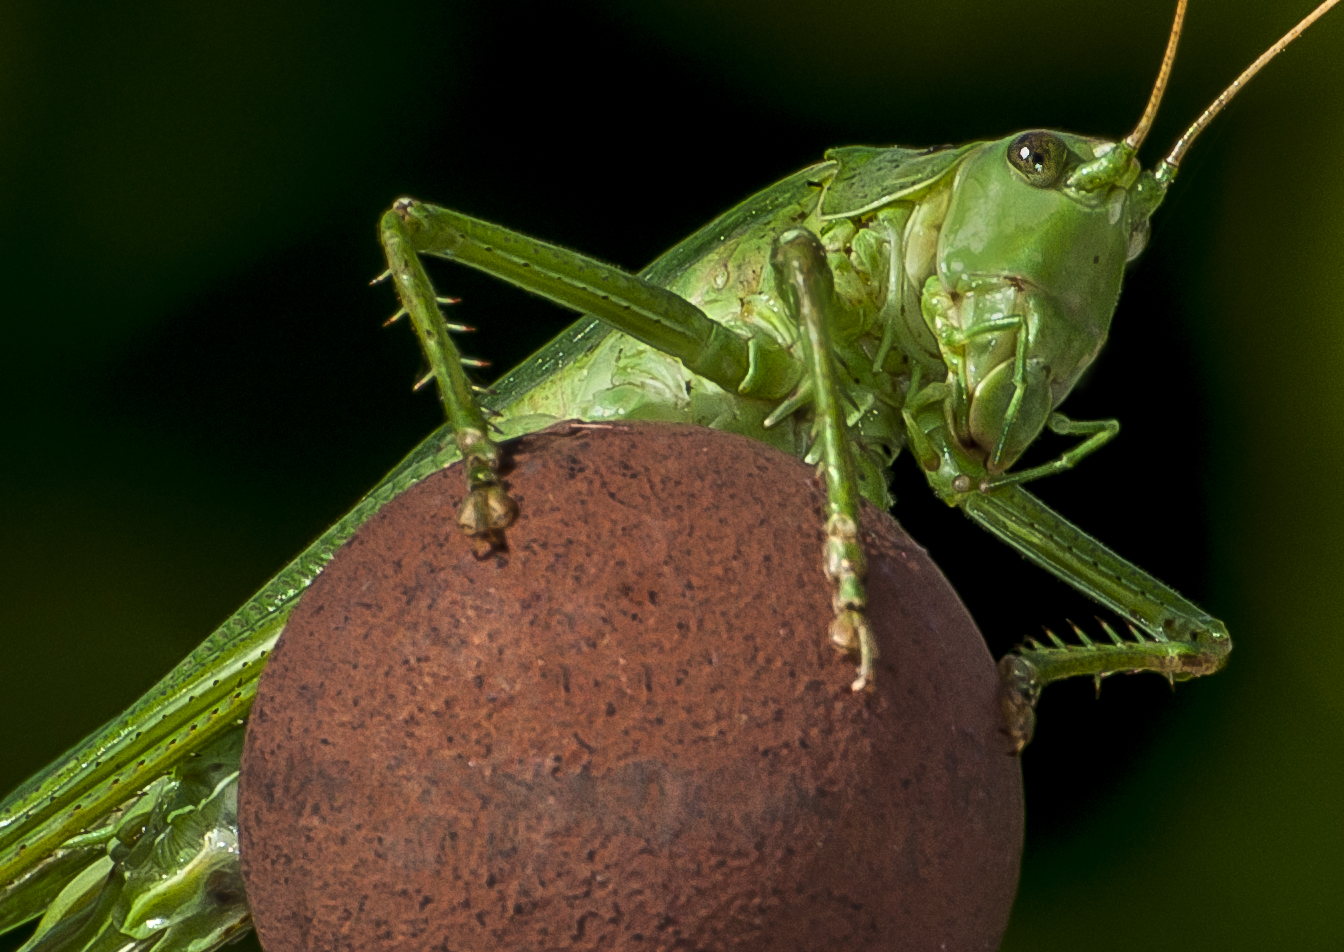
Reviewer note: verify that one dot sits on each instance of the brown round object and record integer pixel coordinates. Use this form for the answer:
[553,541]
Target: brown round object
[627,731]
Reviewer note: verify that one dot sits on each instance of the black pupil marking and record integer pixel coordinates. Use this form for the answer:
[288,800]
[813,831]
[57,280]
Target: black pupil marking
[1036,159]
[1040,156]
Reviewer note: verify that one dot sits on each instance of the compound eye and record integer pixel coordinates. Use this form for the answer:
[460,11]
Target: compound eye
[1040,156]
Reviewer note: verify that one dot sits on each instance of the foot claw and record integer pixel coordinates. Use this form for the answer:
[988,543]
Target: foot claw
[1018,691]
[851,633]
[487,512]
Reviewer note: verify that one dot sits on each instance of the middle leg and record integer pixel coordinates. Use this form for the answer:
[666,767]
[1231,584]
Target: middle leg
[809,296]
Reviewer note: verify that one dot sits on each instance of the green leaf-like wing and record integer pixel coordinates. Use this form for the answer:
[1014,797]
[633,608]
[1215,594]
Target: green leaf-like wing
[867,178]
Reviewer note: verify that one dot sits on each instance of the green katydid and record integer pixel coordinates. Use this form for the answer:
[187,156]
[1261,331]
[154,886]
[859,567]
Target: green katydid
[874,301]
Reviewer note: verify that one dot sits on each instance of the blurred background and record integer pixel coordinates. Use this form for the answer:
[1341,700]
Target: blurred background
[195,382]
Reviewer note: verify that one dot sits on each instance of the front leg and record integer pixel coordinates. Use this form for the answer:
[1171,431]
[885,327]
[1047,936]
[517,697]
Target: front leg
[1169,635]
[808,294]
[1182,641]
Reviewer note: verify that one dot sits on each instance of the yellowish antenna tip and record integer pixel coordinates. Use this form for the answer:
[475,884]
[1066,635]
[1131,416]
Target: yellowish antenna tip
[1168,165]
[1135,138]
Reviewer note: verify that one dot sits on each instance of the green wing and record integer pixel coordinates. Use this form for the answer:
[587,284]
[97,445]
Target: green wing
[867,178]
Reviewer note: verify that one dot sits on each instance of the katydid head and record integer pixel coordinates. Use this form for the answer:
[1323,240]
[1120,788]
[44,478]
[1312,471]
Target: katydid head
[1032,265]
[1031,256]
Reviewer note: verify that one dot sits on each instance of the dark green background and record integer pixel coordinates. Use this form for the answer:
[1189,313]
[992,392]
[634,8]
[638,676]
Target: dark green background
[194,381]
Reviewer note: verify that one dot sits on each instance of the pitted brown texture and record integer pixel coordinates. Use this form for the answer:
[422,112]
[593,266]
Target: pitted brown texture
[628,731]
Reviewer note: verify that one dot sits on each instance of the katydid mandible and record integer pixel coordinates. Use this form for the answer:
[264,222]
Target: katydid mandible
[940,301]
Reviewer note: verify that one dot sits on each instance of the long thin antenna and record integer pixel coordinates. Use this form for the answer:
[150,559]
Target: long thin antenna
[1178,151]
[1135,138]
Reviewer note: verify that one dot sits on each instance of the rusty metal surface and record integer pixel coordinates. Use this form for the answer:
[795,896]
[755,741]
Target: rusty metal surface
[627,731]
